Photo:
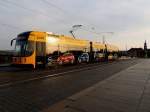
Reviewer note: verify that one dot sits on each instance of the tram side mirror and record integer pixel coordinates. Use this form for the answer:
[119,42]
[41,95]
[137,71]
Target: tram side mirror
[12,41]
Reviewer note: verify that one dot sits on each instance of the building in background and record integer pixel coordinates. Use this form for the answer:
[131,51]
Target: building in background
[136,52]
[139,52]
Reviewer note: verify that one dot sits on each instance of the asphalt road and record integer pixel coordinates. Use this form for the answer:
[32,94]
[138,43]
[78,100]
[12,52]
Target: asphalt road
[40,89]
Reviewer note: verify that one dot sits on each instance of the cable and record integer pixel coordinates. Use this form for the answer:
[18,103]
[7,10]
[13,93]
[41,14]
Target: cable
[10,26]
[33,11]
[43,14]
[101,33]
[48,3]
[62,10]
[53,5]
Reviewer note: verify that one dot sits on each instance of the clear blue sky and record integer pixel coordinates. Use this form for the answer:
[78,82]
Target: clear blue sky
[128,19]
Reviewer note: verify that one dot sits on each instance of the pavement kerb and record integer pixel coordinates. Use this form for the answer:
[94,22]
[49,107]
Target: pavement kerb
[60,106]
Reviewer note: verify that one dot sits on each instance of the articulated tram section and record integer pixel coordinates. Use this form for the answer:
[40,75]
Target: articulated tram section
[43,48]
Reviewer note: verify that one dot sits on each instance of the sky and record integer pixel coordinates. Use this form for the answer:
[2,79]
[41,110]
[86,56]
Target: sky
[127,19]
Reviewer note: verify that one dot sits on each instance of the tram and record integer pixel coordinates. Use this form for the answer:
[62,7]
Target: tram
[35,47]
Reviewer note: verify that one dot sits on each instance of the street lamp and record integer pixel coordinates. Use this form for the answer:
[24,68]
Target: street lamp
[75,27]
[97,33]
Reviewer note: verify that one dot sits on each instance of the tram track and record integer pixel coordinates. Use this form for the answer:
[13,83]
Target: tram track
[42,74]
[53,73]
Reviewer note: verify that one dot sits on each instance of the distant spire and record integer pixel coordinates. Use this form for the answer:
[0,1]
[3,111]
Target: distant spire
[145,45]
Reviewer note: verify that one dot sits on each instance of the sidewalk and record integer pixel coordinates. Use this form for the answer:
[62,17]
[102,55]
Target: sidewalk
[126,91]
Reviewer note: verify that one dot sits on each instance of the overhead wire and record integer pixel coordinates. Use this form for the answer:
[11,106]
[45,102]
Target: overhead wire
[33,11]
[10,26]
[63,11]
[53,5]
[48,17]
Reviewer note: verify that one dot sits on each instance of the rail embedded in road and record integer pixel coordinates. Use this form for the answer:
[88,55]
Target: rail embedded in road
[19,77]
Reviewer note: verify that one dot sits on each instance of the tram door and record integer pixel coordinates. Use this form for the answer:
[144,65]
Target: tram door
[41,53]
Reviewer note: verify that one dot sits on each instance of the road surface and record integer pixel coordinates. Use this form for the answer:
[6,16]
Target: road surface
[34,91]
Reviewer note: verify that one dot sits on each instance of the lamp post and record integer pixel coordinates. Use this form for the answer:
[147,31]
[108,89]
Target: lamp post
[75,27]
[103,37]
[97,33]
